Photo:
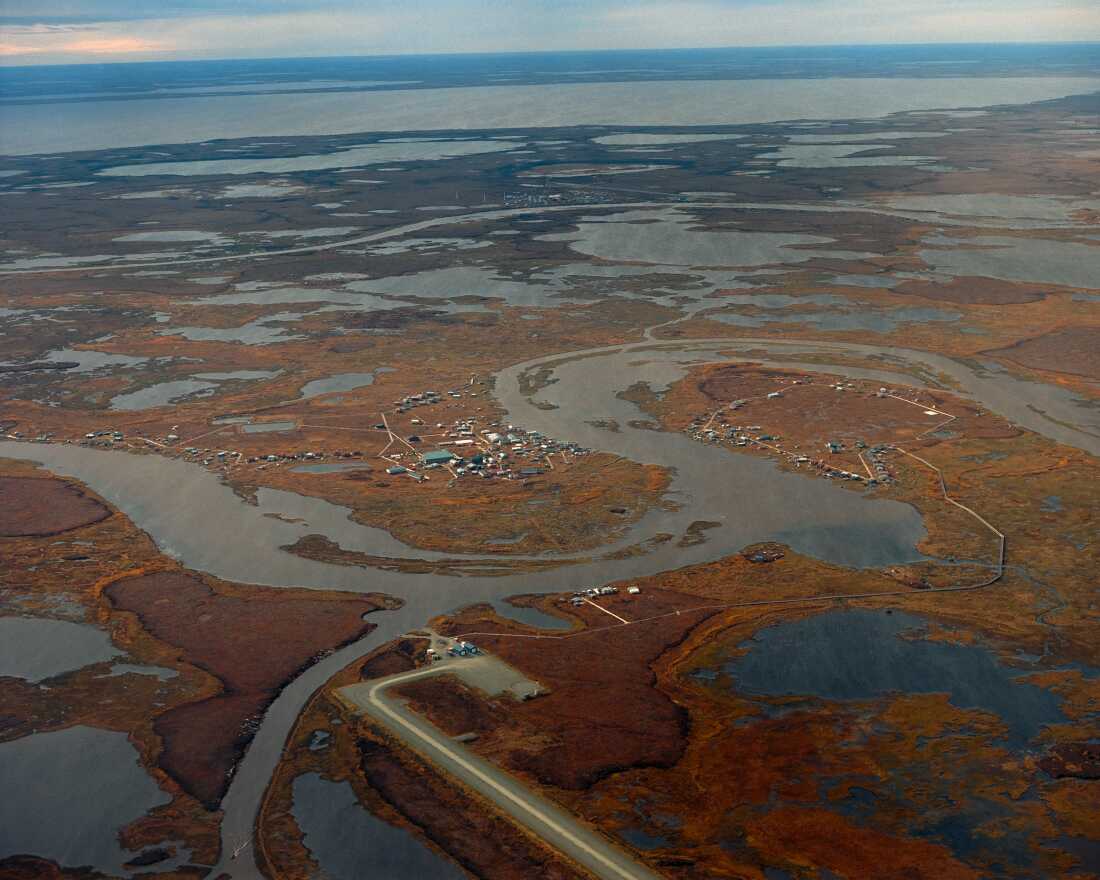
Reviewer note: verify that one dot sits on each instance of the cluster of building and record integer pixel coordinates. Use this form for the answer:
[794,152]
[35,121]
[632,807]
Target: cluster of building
[210,456]
[877,455]
[752,435]
[539,196]
[460,448]
[716,429]
[427,398]
[38,438]
[102,438]
[498,451]
[582,596]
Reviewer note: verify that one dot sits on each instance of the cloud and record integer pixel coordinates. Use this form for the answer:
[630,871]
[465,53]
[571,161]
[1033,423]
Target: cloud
[111,46]
[819,22]
[139,29]
[48,28]
[82,11]
[73,41]
[11,50]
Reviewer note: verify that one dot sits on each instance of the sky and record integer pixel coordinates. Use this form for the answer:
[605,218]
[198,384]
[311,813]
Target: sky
[80,31]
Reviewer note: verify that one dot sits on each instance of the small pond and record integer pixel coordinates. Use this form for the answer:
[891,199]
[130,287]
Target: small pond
[67,793]
[37,648]
[862,654]
[352,844]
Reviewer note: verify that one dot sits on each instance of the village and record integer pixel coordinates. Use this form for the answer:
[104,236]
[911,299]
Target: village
[462,449]
[457,449]
[797,403]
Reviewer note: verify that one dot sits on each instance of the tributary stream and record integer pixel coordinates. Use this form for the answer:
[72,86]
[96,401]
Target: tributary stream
[194,517]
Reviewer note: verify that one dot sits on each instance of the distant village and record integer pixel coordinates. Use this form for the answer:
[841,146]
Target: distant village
[462,449]
[457,449]
[717,428]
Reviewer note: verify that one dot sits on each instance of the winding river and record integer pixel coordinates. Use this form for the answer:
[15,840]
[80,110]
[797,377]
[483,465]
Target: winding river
[194,517]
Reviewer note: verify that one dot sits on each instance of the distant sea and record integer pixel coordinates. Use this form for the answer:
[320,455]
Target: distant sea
[91,107]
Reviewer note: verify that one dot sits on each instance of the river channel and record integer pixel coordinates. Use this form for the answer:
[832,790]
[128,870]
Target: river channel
[197,519]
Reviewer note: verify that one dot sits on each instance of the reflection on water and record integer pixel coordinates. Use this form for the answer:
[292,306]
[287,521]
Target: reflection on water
[87,361]
[299,296]
[239,375]
[339,382]
[159,395]
[65,795]
[671,237]
[37,648]
[182,235]
[626,140]
[352,844]
[352,157]
[1058,209]
[160,673]
[333,468]
[641,839]
[528,615]
[262,331]
[273,189]
[866,318]
[1038,260]
[861,654]
[861,137]
[56,128]
[268,427]
[441,284]
[821,155]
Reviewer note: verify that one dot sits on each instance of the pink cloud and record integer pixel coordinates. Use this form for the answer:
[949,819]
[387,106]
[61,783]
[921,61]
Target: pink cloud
[51,44]
[111,45]
[8,50]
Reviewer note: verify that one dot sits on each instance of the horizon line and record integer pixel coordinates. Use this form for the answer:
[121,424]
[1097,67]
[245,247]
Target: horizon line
[520,52]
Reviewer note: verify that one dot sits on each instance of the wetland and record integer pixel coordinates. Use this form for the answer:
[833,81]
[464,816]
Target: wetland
[217,504]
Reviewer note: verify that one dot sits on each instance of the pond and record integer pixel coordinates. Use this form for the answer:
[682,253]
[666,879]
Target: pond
[862,654]
[339,382]
[269,427]
[352,157]
[160,394]
[37,648]
[672,237]
[1034,260]
[66,794]
[331,467]
[352,843]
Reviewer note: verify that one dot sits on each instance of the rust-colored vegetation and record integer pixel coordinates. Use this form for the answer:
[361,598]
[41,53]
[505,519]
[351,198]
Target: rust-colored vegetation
[974,291]
[253,643]
[42,506]
[1074,350]
[1079,760]
[482,842]
[397,787]
[601,713]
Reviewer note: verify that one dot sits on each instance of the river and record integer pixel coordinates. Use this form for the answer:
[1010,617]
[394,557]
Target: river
[237,541]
